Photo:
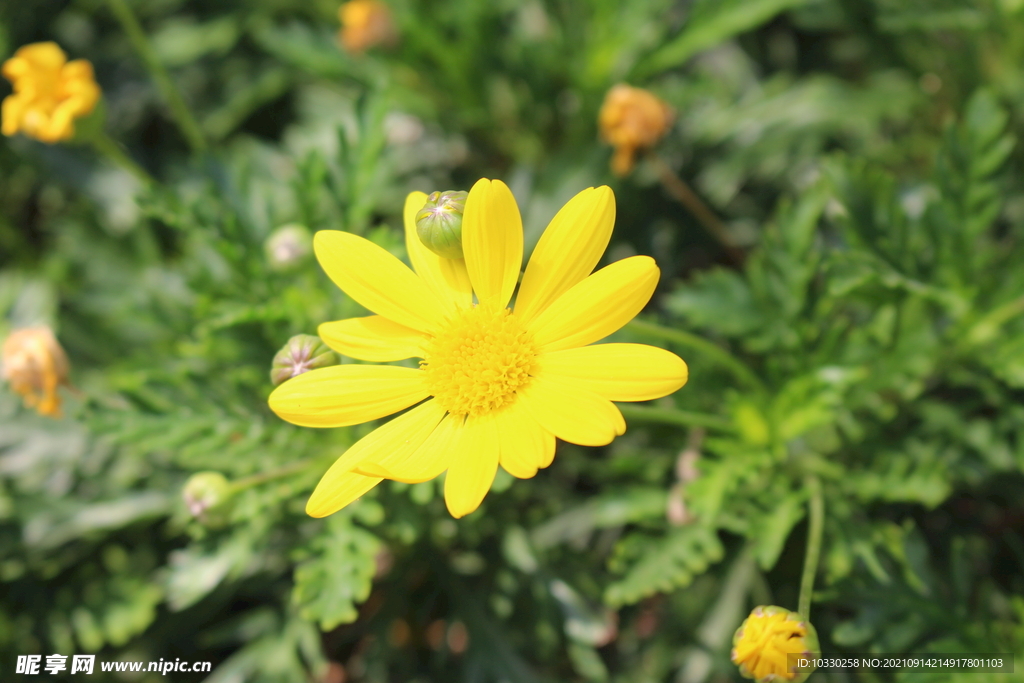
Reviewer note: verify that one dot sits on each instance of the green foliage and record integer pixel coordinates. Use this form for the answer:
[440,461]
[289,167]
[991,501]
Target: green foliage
[867,333]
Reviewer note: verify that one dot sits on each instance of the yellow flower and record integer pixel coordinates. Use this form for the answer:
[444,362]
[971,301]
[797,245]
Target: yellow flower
[365,23]
[49,93]
[631,119]
[764,642]
[35,365]
[501,383]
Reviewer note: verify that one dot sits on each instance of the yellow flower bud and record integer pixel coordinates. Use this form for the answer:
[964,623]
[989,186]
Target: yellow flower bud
[439,223]
[631,119]
[49,93]
[35,365]
[364,24]
[764,642]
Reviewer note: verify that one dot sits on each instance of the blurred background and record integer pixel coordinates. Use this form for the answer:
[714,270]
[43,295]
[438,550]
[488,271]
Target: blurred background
[831,189]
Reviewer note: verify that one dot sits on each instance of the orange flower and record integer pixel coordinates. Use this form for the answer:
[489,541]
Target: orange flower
[35,365]
[49,93]
[632,119]
[365,23]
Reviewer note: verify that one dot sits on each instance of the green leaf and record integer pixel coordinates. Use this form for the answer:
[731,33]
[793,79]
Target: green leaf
[340,574]
[666,564]
[771,532]
[713,22]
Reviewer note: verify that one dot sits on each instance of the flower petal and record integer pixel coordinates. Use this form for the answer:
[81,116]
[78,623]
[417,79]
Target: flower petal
[618,372]
[377,280]
[474,462]
[597,306]
[336,490]
[492,240]
[372,338]
[525,446]
[425,451]
[568,250]
[344,395]
[572,413]
[448,278]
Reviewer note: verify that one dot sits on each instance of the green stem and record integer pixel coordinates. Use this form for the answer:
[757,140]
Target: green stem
[280,473]
[179,110]
[106,146]
[683,418]
[814,533]
[723,357]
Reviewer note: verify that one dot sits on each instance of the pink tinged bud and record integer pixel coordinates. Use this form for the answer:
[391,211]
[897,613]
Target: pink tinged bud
[302,353]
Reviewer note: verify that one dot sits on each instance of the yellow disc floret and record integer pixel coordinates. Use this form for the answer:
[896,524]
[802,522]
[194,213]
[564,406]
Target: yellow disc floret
[480,358]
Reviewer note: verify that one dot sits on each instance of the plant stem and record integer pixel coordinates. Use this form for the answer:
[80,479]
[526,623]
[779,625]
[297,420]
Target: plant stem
[672,416]
[723,357]
[179,110]
[279,473]
[106,146]
[684,194]
[814,532]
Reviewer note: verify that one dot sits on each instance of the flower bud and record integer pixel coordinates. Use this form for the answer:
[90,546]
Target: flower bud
[364,24]
[206,495]
[49,93]
[631,119]
[439,222]
[287,246]
[765,641]
[302,353]
[35,365]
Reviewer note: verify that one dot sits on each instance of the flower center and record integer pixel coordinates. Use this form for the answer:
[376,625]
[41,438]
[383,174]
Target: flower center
[476,363]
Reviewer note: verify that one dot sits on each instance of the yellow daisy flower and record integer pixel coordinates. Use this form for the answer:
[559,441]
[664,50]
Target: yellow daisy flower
[500,383]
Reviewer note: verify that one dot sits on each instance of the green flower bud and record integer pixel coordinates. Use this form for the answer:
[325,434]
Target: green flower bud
[207,495]
[439,223]
[769,644]
[288,246]
[302,353]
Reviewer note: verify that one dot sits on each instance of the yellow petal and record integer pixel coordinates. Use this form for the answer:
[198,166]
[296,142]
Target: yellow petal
[474,462]
[618,372]
[448,278]
[344,395]
[597,306]
[568,250]
[572,413]
[424,453]
[336,490]
[525,446]
[492,240]
[377,280]
[372,338]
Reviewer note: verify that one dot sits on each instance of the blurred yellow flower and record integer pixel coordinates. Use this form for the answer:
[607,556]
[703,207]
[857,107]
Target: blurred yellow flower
[364,24]
[763,643]
[501,382]
[35,365]
[49,93]
[632,119]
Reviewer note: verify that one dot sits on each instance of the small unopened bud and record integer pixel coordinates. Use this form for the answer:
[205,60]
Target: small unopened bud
[206,495]
[364,24]
[439,223]
[288,245]
[774,644]
[302,353]
[35,365]
[632,119]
